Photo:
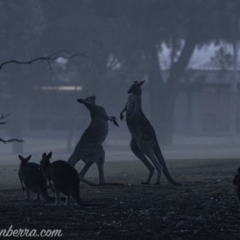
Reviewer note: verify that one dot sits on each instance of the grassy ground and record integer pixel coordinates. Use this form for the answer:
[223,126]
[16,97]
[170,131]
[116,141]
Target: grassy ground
[205,207]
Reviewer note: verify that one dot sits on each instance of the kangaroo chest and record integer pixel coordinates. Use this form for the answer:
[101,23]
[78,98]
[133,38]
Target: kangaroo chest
[137,122]
[97,131]
[132,115]
[133,105]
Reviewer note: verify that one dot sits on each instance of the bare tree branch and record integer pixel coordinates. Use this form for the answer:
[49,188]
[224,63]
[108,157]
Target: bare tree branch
[11,140]
[49,58]
[4,116]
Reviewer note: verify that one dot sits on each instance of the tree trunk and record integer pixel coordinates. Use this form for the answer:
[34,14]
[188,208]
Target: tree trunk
[155,86]
[163,95]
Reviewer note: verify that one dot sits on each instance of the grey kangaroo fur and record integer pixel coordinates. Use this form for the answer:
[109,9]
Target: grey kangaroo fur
[90,148]
[236,181]
[65,180]
[32,180]
[144,141]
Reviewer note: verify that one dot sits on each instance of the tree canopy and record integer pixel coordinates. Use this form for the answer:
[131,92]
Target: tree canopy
[123,39]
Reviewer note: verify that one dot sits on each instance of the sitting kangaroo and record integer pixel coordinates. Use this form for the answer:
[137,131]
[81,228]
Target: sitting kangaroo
[236,181]
[65,180]
[90,148]
[144,141]
[32,179]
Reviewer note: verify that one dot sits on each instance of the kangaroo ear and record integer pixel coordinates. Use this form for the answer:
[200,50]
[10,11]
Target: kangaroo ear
[49,155]
[141,83]
[239,170]
[44,155]
[28,158]
[80,100]
[21,157]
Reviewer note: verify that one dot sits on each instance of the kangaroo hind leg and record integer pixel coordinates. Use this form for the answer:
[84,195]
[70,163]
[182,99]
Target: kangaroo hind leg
[37,197]
[139,154]
[27,194]
[148,151]
[82,174]
[100,165]
[74,158]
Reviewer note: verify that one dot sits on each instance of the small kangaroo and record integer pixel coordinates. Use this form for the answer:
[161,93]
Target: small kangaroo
[144,141]
[65,180]
[236,181]
[32,180]
[90,148]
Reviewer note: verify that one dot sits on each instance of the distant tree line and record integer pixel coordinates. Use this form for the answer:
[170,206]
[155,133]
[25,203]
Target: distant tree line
[123,39]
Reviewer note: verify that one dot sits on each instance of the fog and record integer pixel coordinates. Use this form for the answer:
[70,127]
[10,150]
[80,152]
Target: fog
[190,63]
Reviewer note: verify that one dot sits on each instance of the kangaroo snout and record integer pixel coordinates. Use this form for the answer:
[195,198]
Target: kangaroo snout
[80,100]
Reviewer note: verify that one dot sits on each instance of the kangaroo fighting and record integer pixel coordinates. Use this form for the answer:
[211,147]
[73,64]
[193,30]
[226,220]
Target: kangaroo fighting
[65,180]
[90,148]
[144,142]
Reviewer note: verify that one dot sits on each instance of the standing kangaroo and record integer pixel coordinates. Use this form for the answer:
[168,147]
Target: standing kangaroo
[65,180]
[90,148]
[32,179]
[144,141]
[236,181]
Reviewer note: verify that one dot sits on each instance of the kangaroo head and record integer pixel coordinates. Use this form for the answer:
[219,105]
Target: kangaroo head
[88,101]
[135,89]
[24,160]
[45,162]
[236,179]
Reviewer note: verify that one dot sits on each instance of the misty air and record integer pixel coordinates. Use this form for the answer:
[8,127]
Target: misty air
[120,119]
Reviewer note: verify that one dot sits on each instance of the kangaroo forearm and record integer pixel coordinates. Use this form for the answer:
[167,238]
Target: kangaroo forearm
[121,113]
[124,109]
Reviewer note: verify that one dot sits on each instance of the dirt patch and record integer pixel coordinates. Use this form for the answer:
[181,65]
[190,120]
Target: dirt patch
[205,207]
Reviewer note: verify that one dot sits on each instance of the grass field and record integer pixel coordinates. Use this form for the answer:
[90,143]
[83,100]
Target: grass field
[205,207]
[117,147]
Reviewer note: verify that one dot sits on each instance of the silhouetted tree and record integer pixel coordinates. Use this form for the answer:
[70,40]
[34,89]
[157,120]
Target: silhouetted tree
[141,28]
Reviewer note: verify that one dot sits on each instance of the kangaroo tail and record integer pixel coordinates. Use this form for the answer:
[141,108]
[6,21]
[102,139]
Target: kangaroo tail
[75,195]
[158,154]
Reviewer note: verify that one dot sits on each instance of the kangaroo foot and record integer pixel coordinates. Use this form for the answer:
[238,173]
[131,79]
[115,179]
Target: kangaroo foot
[157,183]
[145,183]
[81,179]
